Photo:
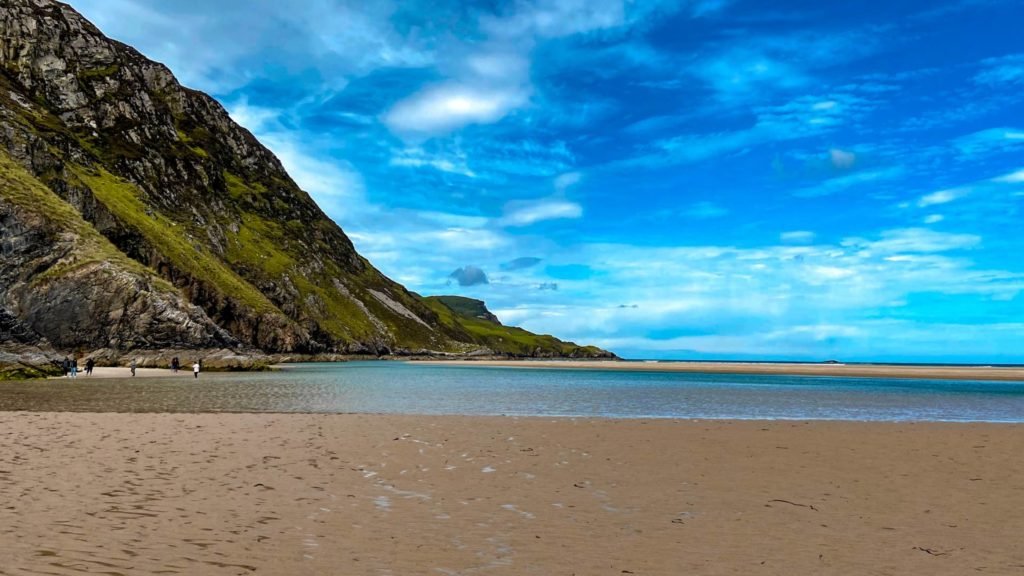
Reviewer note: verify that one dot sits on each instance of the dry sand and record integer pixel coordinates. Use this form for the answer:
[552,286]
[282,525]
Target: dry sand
[858,370]
[366,494]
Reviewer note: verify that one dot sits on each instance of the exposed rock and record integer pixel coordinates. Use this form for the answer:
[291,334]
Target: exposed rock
[23,353]
[64,281]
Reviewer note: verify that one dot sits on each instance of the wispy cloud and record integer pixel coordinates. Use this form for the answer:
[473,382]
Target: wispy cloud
[527,213]
[1003,70]
[913,241]
[990,140]
[941,197]
[417,157]
[1012,177]
[797,237]
[803,117]
[853,180]
[564,181]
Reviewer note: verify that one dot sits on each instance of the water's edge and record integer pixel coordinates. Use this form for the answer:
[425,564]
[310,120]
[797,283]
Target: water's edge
[401,388]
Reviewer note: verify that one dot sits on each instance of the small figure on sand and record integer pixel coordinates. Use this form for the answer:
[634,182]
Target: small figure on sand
[89,365]
[66,365]
[175,364]
[133,365]
[74,367]
[195,369]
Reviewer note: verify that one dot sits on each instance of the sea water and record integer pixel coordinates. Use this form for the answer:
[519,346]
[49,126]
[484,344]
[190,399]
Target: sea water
[404,388]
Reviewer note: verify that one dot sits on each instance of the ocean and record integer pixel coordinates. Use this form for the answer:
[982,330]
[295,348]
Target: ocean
[402,388]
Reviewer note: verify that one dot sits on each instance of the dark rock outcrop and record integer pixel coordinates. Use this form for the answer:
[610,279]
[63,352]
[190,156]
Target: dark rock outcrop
[23,353]
[63,280]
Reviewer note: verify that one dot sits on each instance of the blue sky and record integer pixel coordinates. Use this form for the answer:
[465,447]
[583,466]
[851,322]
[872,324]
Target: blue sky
[671,179]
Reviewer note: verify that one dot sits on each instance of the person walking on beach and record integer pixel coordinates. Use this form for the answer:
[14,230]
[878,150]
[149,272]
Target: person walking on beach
[195,369]
[74,367]
[89,365]
[175,364]
[133,367]
[66,365]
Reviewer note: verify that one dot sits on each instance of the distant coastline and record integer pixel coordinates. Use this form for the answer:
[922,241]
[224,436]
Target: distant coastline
[853,370]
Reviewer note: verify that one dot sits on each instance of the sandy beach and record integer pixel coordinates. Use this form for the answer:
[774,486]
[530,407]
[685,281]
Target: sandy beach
[850,370]
[367,494]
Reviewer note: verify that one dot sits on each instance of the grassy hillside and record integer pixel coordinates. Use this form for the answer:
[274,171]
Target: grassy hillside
[468,307]
[23,192]
[507,339]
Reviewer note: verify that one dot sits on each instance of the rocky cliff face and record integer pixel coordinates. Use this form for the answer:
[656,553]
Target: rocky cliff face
[209,243]
[23,352]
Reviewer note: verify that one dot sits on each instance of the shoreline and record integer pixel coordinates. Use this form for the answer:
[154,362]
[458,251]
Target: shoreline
[928,372]
[766,368]
[366,494]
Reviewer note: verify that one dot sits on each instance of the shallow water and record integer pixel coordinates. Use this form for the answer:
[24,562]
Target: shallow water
[396,387]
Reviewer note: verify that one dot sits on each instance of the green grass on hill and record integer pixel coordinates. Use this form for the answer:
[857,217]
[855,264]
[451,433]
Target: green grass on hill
[505,339]
[25,192]
[169,238]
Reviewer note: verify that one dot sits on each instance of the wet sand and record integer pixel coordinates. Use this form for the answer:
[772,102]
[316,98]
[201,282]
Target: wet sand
[368,494]
[850,370]
[126,372]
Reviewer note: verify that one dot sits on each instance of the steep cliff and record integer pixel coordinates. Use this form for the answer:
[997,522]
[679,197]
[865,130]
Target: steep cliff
[165,224]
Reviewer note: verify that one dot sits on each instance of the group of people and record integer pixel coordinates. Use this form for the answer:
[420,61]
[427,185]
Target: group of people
[196,366]
[70,366]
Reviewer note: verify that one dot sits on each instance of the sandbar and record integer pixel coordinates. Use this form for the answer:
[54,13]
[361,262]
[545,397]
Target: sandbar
[936,372]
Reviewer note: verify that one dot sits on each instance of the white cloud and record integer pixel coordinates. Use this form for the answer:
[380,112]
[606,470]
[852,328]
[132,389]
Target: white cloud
[526,213]
[498,65]
[941,197]
[841,159]
[336,185]
[934,218]
[1012,177]
[797,237]
[442,109]
[257,119]
[989,141]
[759,299]
[567,180]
